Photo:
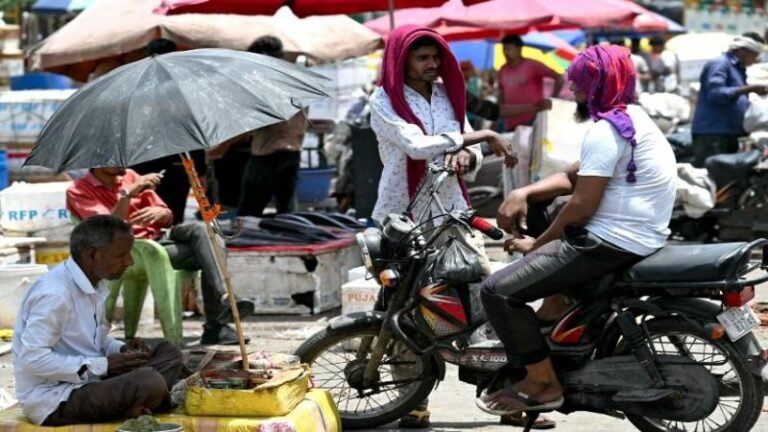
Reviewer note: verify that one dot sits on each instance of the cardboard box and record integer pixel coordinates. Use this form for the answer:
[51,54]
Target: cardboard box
[359,295]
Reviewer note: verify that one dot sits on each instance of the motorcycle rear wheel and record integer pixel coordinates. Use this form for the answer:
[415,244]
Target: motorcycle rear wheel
[329,352]
[738,409]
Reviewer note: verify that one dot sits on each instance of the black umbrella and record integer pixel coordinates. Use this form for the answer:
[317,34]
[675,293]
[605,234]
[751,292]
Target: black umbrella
[172,104]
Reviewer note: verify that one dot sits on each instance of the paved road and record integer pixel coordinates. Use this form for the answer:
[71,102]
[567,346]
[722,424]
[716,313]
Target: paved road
[452,404]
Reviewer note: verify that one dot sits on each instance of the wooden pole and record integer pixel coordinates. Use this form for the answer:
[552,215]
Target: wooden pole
[210,213]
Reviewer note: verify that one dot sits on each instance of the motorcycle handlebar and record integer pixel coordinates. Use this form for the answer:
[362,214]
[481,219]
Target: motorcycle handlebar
[486,228]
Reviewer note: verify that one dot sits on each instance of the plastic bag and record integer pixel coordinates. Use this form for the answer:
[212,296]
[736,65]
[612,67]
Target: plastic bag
[457,263]
[756,117]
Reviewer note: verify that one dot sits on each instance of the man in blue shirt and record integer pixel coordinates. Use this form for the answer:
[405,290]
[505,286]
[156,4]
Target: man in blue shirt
[723,99]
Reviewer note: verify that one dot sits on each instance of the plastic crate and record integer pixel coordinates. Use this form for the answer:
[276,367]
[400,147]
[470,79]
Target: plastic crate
[41,81]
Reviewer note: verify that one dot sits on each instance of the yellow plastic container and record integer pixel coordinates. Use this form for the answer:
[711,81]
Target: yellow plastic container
[276,397]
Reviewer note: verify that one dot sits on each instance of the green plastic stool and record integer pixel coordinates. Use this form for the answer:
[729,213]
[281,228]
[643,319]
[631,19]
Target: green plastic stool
[152,267]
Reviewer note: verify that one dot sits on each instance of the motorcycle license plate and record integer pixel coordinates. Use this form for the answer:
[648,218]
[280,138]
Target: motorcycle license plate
[738,321]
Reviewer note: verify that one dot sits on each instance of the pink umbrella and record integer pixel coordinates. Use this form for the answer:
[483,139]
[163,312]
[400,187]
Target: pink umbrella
[455,21]
[300,7]
[446,20]
[653,22]
[563,13]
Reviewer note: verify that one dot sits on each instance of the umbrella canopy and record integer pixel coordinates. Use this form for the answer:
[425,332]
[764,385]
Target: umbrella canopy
[550,41]
[651,22]
[60,6]
[118,31]
[447,20]
[171,104]
[300,7]
[563,13]
[551,48]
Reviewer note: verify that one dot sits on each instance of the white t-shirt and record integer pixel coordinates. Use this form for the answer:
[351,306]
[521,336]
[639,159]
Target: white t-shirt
[632,216]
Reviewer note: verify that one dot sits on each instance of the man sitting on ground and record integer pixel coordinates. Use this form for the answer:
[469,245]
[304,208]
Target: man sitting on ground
[128,196]
[68,369]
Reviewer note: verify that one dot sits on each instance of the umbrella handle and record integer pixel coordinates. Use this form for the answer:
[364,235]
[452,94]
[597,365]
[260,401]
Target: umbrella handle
[210,215]
[209,211]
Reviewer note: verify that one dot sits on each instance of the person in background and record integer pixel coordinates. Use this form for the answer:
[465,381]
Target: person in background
[174,189]
[479,107]
[273,168]
[521,81]
[641,66]
[723,99]
[125,194]
[68,368]
[664,67]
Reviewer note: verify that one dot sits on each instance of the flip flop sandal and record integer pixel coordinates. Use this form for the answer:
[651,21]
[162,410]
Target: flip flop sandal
[541,422]
[531,404]
[416,419]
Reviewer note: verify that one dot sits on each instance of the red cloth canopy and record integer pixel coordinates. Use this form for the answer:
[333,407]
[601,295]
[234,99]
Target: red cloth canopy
[300,7]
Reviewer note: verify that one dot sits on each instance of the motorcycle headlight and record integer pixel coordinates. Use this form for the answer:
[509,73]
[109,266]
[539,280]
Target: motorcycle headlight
[370,249]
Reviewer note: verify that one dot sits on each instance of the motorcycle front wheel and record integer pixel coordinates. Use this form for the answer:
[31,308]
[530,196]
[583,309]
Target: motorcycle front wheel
[741,393]
[405,379]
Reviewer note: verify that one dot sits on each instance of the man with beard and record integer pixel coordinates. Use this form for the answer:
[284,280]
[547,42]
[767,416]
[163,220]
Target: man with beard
[622,194]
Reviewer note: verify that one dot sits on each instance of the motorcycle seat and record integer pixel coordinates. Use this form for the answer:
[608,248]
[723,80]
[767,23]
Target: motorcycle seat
[724,168]
[690,263]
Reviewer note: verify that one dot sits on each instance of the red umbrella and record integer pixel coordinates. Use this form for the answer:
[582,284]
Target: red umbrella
[300,7]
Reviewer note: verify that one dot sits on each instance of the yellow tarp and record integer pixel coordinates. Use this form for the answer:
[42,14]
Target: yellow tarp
[316,413]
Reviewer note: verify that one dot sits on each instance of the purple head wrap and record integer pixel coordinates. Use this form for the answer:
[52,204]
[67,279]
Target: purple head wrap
[607,76]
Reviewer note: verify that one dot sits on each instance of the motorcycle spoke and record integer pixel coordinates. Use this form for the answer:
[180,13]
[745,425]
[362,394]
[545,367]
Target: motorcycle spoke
[330,373]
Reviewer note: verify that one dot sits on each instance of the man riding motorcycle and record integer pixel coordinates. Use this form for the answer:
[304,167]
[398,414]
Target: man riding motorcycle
[623,191]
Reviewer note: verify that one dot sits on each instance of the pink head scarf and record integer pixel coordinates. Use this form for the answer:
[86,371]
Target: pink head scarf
[607,76]
[393,82]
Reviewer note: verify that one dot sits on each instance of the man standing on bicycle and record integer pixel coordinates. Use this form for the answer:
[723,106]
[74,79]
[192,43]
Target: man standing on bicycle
[623,191]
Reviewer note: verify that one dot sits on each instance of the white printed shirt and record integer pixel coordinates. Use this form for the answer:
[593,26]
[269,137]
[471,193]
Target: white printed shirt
[399,140]
[60,328]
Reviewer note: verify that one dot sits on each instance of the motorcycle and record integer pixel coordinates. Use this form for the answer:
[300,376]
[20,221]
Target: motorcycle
[643,344]
[741,199]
